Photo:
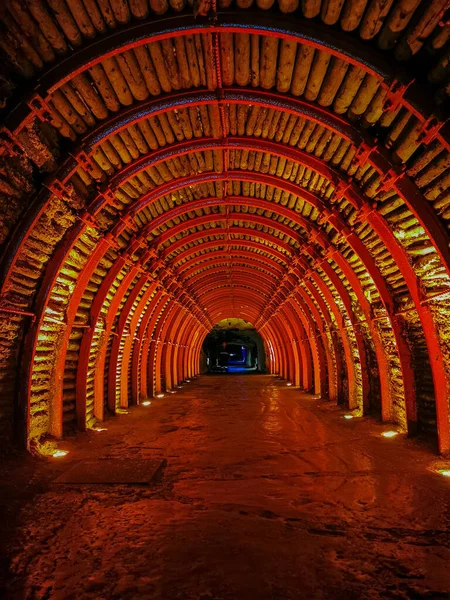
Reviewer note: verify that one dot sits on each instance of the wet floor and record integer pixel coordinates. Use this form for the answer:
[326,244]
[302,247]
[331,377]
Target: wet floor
[268,494]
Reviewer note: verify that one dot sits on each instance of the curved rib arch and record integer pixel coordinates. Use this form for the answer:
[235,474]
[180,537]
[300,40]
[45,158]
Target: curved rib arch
[316,240]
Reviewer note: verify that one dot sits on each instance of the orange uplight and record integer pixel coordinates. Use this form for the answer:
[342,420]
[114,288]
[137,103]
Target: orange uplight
[100,429]
[160,395]
[289,384]
[146,403]
[59,453]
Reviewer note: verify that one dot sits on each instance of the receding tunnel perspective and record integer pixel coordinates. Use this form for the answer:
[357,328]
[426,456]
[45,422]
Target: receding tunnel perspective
[224,230]
[233,346]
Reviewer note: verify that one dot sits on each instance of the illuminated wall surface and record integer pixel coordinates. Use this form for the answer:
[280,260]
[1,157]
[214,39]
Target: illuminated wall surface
[287,165]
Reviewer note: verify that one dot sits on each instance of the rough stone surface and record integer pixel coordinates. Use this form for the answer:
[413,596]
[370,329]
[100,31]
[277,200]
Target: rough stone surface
[268,494]
[104,471]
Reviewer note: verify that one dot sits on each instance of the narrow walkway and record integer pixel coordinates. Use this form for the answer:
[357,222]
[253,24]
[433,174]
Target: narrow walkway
[268,494]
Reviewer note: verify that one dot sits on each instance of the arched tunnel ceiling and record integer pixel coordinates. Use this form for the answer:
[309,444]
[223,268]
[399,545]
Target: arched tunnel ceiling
[233,323]
[284,163]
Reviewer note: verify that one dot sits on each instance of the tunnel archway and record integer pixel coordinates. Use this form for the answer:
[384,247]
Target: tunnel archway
[160,170]
[233,346]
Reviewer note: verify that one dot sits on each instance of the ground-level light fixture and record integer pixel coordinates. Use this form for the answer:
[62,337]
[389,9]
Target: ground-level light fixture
[59,453]
[160,395]
[289,384]
[146,403]
[99,429]
[348,416]
[444,472]
[389,434]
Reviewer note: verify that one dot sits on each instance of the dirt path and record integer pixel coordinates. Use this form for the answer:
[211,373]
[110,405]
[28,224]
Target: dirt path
[268,494]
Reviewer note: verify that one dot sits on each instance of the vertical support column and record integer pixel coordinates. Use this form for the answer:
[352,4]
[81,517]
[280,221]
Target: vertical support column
[178,337]
[158,348]
[167,336]
[139,371]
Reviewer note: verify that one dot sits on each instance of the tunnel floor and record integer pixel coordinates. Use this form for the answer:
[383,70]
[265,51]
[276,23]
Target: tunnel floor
[268,494]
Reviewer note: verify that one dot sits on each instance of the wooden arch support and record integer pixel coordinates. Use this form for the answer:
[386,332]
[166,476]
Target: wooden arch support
[219,274]
[306,32]
[442,414]
[400,183]
[321,238]
[289,232]
[275,255]
[348,355]
[217,257]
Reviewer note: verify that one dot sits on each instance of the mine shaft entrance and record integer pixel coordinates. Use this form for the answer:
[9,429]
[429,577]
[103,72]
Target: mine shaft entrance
[233,346]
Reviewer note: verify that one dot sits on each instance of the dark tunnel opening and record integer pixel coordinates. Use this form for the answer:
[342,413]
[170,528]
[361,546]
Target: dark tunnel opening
[233,346]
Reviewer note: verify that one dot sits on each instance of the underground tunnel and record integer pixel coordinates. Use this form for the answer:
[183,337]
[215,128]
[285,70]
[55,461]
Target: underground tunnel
[233,346]
[257,189]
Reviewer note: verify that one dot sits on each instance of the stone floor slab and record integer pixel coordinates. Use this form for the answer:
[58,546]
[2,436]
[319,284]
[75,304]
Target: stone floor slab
[113,472]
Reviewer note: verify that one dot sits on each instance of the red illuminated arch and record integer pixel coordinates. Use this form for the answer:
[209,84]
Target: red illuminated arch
[301,282]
